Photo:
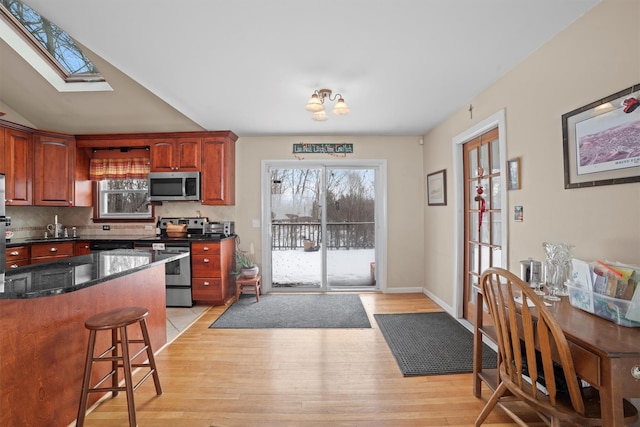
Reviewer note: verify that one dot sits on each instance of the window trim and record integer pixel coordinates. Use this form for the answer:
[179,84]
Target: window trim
[96,218]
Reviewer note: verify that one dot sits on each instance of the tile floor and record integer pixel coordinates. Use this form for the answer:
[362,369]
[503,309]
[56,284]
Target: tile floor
[180,318]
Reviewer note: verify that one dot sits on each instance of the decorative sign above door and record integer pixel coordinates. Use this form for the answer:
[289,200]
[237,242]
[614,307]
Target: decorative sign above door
[340,148]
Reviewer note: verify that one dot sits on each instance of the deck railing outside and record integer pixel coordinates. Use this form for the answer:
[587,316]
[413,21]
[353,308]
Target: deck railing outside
[287,235]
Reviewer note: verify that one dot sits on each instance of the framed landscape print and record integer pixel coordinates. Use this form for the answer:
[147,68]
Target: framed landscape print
[513,179]
[437,188]
[601,141]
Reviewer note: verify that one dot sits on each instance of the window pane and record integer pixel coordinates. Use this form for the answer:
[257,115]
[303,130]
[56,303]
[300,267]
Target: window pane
[496,194]
[496,228]
[125,203]
[484,157]
[495,156]
[53,40]
[473,163]
[124,198]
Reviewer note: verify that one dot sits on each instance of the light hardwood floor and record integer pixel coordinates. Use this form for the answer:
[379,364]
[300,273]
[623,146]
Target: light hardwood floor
[298,377]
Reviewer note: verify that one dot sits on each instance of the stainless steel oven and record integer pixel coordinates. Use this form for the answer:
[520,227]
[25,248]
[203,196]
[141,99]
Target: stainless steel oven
[177,273]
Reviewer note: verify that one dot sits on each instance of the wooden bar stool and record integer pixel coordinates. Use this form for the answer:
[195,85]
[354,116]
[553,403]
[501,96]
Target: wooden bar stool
[253,284]
[117,320]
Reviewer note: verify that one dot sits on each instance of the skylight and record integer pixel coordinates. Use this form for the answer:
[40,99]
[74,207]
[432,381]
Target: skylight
[58,48]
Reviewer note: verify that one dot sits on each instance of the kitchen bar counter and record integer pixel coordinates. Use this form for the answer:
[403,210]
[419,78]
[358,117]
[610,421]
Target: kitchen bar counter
[73,274]
[43,341]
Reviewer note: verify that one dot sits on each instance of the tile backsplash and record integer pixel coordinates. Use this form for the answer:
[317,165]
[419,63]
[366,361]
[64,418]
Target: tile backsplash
[31,221]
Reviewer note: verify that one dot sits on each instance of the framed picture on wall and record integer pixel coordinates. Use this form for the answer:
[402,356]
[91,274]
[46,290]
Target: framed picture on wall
[513,179]
[437,188]
[600,141]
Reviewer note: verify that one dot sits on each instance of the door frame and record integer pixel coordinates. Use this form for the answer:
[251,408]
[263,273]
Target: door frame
[380,206]
[498,120]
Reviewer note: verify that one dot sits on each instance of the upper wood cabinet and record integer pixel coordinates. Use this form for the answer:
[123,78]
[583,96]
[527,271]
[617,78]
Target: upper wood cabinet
[219,170]
[211,152]
[55,166]
[175,154]
[2,152]
[18,166]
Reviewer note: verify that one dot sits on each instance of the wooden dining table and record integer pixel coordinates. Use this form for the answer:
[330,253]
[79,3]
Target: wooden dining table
[606,355]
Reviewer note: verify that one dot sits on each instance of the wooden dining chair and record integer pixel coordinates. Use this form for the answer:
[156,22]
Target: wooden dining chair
[536,365]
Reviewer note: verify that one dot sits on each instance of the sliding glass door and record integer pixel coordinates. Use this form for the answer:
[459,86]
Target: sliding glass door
[322,227]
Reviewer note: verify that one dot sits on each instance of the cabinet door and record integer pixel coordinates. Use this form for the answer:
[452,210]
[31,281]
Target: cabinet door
[55,167]
[3,152]
[162,155]
[18,167]
[188,154]
[218,171]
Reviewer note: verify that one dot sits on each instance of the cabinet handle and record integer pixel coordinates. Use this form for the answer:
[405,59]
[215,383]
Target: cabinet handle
[206,283]
[14,266]
[14,253]
[205,260]
[205,248]
[53,250]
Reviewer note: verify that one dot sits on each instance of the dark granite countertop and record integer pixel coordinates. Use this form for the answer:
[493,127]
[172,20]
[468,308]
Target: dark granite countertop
[75,273]
[11,243]
[116,237]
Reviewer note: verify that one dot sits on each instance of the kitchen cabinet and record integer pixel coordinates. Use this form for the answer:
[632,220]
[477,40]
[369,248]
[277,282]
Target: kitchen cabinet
[81,247]
[219,169]
[54,165]
[17,256]
[18,153]
[2,151]
[43,252]
[212,277]
[175,154]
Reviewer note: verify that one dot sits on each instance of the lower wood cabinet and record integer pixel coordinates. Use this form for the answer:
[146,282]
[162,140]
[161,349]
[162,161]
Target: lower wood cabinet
[43,252]
[212,278]
[17,256]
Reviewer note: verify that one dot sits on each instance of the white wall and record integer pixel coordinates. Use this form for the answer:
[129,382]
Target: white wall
[593,58]
[405,210]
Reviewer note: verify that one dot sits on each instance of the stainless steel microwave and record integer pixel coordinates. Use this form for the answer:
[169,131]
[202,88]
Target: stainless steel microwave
[172,186]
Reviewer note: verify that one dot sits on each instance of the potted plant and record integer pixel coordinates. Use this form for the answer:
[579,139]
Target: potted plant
[245,266]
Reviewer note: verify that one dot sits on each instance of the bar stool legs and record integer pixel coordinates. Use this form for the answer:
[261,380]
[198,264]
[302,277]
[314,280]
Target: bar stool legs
[117,320]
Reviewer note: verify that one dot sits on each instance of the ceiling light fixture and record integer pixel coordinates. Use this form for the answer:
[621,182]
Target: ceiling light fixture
[316,104]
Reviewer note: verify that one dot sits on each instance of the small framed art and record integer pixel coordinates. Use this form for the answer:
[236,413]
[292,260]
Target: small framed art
[513,168]
[437,188]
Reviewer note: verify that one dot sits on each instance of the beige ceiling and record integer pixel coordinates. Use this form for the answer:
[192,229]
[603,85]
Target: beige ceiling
[251,65]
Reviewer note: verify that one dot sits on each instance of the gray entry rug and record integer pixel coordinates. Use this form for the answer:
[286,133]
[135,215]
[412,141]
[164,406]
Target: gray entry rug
[295,311]
[431,344]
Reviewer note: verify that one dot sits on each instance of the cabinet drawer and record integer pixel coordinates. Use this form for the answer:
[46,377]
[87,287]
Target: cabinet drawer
[17,253]
[205,248]
[206,289]
[16,263]
[52,249]
[81,248]
[205,266]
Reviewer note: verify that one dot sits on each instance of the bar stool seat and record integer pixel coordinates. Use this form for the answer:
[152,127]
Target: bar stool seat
[117,321]
[244,284]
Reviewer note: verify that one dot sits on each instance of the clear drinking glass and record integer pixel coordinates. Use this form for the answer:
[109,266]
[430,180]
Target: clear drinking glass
[548,276]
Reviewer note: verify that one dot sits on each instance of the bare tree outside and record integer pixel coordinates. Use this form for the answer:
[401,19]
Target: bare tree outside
[124,196]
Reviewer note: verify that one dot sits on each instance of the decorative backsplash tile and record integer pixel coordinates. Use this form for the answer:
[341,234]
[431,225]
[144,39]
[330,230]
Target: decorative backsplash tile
[31,221]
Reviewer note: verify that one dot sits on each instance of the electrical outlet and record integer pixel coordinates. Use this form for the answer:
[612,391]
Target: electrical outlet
[106,227]
[148,227]
[255,223]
